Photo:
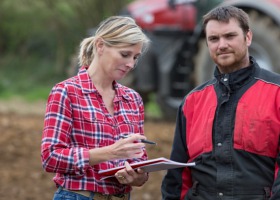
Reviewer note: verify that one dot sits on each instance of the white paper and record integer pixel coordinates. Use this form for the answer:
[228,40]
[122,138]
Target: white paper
[152,165]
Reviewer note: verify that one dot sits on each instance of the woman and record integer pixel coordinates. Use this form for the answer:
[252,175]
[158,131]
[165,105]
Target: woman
[88,115]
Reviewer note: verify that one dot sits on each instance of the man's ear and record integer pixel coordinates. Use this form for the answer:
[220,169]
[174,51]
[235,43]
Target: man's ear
[249,37]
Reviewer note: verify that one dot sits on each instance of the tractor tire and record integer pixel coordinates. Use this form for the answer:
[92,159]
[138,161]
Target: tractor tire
[168,107]
[265,48]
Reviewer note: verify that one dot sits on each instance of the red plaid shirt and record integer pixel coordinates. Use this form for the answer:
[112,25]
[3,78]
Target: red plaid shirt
[76,121]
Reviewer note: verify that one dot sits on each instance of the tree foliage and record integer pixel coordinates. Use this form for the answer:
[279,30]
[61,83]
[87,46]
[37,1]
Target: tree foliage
[50,29]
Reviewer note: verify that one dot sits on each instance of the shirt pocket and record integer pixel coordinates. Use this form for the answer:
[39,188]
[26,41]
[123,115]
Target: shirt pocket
[96,130]
[128,124]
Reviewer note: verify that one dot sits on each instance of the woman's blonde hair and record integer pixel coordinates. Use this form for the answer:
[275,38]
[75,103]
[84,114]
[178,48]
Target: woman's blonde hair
[116,31]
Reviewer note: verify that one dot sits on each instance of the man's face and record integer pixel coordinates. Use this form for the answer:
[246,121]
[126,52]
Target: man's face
[228,45]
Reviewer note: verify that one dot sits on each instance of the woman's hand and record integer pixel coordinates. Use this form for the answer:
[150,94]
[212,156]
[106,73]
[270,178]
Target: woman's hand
[129,176]
[128,148]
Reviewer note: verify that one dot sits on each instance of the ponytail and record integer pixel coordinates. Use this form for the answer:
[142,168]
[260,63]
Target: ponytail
[87,51]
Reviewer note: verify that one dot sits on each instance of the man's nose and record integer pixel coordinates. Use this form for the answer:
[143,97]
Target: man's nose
[223,43]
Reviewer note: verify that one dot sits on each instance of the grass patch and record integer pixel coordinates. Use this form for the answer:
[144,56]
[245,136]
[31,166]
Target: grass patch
[152,109]
[29,78]
[32,78]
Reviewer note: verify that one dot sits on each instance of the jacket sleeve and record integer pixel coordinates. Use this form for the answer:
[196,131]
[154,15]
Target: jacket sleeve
[176,182]
[276,184]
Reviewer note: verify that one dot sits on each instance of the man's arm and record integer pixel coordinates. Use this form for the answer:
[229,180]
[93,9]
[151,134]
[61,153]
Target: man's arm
[177,181]
[276,184]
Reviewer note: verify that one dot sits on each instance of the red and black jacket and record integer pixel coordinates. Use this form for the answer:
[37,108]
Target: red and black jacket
[229,126]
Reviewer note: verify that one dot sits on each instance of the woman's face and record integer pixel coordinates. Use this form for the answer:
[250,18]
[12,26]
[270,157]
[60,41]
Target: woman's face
[118,61]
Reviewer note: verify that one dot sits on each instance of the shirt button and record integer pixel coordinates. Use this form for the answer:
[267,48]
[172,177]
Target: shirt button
[219,144]
[221,194]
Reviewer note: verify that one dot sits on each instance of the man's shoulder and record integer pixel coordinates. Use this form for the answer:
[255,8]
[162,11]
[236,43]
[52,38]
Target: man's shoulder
[202,87]
[268,76]
[200,91]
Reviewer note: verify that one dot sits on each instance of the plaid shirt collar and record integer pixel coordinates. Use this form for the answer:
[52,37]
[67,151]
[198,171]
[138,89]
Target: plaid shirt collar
[88,86]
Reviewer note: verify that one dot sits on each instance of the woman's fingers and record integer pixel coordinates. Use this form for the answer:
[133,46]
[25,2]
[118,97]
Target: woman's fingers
[130,176]
[127,148]
[135,137]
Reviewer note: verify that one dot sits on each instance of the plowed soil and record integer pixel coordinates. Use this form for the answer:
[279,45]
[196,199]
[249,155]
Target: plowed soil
[22,176]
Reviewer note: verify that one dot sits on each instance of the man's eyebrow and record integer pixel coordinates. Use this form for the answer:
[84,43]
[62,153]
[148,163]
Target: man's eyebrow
[213,36]
[232,32]
[228,33]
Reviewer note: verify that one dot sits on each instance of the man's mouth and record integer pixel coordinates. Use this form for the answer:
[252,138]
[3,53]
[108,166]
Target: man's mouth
[223,53]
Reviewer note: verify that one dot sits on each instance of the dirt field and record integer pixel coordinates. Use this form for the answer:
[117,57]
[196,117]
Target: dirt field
[22,176]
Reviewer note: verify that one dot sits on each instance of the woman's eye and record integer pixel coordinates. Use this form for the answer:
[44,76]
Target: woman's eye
[124,55]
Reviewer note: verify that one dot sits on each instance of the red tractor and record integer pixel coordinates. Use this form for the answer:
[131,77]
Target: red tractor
[178,58]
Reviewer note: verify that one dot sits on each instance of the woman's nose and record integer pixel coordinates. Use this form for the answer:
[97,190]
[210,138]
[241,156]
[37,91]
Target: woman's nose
[131,64]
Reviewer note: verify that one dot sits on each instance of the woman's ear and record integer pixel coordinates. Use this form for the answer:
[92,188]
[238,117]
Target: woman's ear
[99,45]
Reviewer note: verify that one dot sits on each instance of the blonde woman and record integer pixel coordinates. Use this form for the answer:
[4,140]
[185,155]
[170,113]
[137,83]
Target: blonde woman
[88,115]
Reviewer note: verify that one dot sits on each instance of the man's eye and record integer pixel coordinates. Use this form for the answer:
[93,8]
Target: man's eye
[213,39]
[230,36]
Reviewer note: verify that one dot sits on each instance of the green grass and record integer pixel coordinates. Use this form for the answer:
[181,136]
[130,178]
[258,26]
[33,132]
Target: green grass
[29,78]
[30,96]
[152,109]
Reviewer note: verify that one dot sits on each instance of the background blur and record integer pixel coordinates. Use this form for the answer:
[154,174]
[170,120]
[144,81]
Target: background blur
[38,39]
[37,42]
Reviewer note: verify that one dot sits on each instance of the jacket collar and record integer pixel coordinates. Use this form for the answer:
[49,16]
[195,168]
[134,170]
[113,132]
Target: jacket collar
[237,79]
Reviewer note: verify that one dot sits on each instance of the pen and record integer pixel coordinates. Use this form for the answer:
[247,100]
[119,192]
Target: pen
[142,140]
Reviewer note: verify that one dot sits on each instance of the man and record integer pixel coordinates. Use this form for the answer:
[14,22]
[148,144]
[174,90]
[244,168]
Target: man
[229,126]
